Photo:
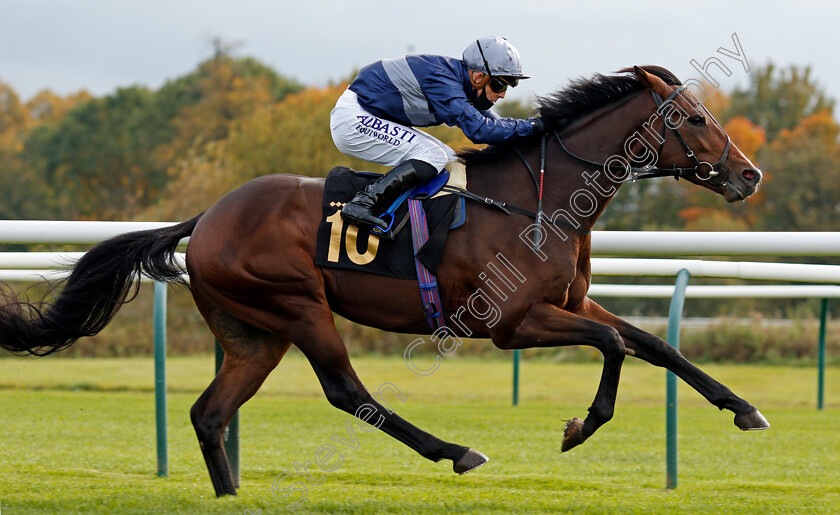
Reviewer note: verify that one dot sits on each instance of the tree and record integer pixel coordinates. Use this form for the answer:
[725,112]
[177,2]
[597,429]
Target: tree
[776,101]
[99,155]
[48,108]
[514,109]
[649,205]
[747,136]
[711,219]
[717,102]
[22,190]
[13,114]
[223,90]
[802,181]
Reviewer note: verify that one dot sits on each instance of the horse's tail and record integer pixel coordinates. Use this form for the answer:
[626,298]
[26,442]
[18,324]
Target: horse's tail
[98,285]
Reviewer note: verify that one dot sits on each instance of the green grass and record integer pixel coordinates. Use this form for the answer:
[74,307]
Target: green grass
[78,437]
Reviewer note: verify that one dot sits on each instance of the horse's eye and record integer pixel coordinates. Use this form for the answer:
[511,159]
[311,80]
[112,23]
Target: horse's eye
[697,120]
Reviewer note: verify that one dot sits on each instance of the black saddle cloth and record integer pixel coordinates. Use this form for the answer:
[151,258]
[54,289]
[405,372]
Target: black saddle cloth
[341,245]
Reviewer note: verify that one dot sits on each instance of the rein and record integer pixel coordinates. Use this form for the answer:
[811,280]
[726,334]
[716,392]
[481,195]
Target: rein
[635,173]
[508,209]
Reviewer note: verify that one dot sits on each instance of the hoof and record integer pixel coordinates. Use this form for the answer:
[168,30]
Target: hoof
[470,461]
[572,434]
[752,421]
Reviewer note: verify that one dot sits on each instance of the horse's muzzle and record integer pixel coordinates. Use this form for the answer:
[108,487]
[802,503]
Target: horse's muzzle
[742,185]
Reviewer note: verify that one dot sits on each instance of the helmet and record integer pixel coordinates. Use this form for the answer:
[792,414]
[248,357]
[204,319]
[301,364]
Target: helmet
[496,53]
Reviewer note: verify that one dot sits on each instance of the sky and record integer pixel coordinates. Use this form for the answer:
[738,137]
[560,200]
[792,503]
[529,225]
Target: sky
[100,45]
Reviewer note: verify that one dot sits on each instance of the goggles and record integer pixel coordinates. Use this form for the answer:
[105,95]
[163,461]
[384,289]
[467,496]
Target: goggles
[499,84]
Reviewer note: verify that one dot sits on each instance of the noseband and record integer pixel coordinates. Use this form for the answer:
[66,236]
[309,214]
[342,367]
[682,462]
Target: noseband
[703,170]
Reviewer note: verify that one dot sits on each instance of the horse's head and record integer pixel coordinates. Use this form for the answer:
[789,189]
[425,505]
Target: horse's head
[693,138]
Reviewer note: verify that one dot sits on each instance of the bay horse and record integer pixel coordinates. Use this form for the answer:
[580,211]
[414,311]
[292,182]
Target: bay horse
[250,260]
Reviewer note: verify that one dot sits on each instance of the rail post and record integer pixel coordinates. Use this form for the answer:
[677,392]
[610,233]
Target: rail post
[674,316]
[821,354]
[160,377]
[516,353]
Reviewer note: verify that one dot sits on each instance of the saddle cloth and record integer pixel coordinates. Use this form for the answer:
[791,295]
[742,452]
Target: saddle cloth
[341,245]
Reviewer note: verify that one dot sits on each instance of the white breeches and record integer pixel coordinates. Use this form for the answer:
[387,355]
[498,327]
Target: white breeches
[360,134]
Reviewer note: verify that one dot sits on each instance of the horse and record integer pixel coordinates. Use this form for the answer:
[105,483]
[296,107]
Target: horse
[250,260]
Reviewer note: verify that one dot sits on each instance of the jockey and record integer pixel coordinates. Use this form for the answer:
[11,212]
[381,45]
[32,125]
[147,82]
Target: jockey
[375,118]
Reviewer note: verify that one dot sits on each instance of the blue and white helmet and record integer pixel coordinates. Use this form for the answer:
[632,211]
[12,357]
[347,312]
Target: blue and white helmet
[495,56]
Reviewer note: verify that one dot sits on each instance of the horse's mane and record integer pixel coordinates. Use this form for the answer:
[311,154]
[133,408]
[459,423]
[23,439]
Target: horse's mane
[581,97]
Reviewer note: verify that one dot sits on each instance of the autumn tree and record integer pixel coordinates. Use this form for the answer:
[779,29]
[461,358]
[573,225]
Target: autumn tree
[221,91]
[801,190]
[749,137]
[99,156]
[22,191]
[13,114]
[48,108]
[778,99]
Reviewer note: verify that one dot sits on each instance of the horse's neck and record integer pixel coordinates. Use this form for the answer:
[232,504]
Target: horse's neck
[580,191]
[603,133]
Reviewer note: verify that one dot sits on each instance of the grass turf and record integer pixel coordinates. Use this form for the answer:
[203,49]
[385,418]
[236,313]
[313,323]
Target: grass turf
[79,438]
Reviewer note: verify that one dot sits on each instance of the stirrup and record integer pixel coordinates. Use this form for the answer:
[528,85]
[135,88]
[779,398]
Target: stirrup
[378,230]
[394,228]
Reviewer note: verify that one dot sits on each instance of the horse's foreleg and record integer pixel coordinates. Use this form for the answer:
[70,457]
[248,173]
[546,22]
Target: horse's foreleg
[655,351]
[322,345]
[546,325]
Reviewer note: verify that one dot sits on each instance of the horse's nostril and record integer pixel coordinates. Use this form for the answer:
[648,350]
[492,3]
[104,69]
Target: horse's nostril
[749,175]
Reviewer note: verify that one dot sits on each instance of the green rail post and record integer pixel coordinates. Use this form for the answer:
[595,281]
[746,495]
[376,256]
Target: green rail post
[160,377]
[821,354]
[674,316]
[516,353]
[232,430]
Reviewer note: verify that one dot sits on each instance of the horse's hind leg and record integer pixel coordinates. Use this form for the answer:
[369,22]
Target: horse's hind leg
[250,355]
[655,351]
[322,345]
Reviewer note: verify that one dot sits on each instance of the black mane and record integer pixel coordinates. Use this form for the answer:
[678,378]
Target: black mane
[581,97]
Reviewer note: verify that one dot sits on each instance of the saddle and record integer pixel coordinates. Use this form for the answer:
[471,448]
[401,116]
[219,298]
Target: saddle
[414,254]
[341,245]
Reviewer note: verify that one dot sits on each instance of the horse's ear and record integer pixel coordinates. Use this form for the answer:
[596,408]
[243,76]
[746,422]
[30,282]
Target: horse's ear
[652,81]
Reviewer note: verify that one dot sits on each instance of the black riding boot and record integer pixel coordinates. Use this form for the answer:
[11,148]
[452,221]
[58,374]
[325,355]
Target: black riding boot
[365,207]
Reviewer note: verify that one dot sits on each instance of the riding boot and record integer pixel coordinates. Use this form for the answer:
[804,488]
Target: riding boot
[365,207]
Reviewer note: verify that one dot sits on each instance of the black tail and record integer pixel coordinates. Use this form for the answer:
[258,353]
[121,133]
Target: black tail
[99,284]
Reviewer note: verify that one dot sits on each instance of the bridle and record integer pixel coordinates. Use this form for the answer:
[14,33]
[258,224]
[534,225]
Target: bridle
[635,173]
[651,171]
